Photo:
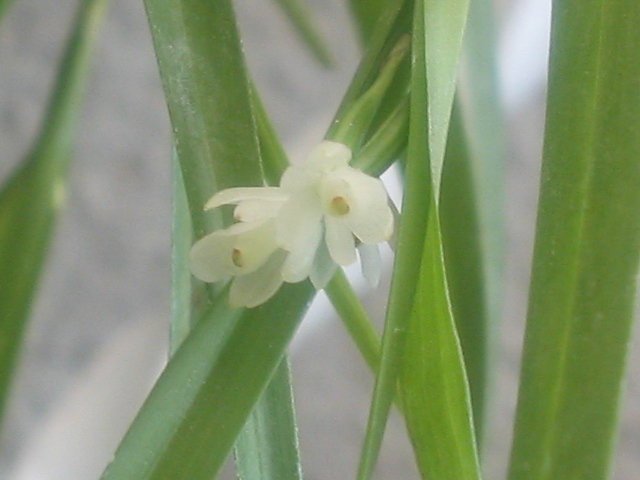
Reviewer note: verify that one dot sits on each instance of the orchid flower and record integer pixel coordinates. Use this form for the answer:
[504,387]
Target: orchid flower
[322,212]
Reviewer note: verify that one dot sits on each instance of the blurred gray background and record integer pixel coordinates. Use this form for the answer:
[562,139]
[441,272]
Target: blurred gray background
[98,334]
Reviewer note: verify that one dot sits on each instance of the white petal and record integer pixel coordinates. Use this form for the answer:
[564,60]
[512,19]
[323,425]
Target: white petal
[240,249]
[300,260]
[368,214]
[370,263]
[210,257]
[252,210]
[297,216]
[253,247]
[297,178]
[340,241]
[323,267]
[370,217]
[328,156]
[233,196]
[256,288]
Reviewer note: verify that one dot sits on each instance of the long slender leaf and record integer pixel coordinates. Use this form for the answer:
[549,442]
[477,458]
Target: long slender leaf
[267,449]
[433,86]
[32,198]
[367,14]
[4,5]
[182,282]
[205,82]
[187,426]
[463,254]
[433,383]
[587,246]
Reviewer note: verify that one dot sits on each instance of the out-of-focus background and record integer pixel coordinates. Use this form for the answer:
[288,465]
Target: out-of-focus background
[99,330]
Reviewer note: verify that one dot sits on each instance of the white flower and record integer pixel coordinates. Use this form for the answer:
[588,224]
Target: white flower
[321,213]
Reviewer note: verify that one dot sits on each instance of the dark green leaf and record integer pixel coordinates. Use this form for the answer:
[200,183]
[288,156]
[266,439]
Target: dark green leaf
[267,449]
[587,246]
[463,256]
[367,15]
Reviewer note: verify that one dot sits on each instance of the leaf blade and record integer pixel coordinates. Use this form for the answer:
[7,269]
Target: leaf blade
[587,247]
[267,448]
[32,198]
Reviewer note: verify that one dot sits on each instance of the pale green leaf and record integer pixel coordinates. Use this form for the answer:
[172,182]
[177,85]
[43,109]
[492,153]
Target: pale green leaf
[31,199]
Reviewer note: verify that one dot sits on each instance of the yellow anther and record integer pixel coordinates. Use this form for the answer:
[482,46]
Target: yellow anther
[236,257]
[339,206]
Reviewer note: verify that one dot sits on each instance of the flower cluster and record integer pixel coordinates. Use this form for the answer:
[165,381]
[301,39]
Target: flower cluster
[317,218]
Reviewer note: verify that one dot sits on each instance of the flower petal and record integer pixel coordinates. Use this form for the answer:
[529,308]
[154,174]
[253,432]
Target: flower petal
[210,257]
[370,217]
[240,249]
[252,210]
[300,260]
[297,178]
[340,241]
[233,196]
[371,263]
[323,267]
[253,247]
[257,287]
[328,156]
[300,214]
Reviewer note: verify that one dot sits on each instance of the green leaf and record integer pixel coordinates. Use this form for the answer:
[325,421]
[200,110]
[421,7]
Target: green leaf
[206,87]
[472,203]
[587,246]
[267,449]
[182,282]
[367,14]
[31,199]
[434,385]
[207,92]
[463,255]
[429,121]
[298,14]
[187,426]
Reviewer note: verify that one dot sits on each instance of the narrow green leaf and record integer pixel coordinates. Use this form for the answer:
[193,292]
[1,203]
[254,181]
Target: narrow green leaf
[355,319]
[472,203]
[4,5]
[463,255]
[484,126]
[267,449]
[187,426]
[182,281]
[367,14]
[32,198]
[587,246]
[205,83]
[300,17]
[433,383]
[394,23]
[444,24]
[429,121]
